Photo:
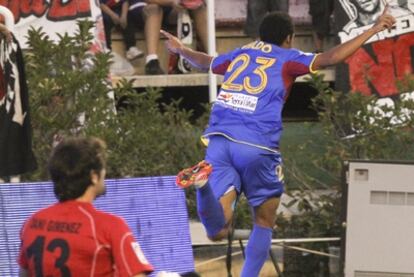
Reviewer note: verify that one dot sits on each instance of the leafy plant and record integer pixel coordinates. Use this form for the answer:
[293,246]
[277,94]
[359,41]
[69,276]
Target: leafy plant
[69,96]
[65,93]
[352,126]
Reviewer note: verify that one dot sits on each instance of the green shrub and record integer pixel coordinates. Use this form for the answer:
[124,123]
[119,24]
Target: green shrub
[351,126]
[69,90]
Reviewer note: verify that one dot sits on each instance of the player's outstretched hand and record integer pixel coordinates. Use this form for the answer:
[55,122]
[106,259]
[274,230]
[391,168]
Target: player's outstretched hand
[173,43]
[385,21]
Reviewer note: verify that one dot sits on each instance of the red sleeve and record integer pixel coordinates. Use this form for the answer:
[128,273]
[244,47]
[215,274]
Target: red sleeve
[22,259]
[299,63]
[220,63]
[128,256]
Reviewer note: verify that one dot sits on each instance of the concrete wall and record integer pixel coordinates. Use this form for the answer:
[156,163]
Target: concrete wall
[227,10]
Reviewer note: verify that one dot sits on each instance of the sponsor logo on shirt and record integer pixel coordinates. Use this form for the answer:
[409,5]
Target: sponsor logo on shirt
[237,101]
[138,252]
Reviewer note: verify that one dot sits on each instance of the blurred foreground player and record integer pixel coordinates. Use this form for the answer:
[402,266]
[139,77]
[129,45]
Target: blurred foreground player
[246,124]
[71,237]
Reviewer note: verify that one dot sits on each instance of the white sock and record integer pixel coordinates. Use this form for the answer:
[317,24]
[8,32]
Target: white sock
[151,57]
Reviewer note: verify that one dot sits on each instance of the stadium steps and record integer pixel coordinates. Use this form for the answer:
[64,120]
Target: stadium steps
[228,37]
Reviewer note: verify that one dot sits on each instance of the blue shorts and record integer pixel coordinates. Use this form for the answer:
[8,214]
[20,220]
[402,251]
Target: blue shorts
[255,172]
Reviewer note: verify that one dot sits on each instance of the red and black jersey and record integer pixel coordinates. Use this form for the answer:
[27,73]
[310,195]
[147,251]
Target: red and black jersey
[74,239]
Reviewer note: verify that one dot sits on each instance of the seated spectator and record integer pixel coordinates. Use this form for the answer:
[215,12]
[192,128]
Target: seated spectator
[257,10]
[320,11]
[116,14]
[71,237]
[155,12]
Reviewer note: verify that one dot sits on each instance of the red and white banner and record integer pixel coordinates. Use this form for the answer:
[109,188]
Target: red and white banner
[54,16]
[385,59]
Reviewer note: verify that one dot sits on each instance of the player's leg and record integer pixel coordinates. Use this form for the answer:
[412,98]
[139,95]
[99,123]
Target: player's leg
[216,215]
[215,212]
[217,193]
[263,185]
[260,239]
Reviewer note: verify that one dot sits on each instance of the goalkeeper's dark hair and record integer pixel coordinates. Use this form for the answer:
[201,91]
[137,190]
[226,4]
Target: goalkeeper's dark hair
[71,163]
[276,27]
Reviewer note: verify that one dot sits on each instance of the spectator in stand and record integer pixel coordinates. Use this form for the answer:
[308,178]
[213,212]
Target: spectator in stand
[116,13]
[320,11]
[71,237]
[155,12]
[257,10]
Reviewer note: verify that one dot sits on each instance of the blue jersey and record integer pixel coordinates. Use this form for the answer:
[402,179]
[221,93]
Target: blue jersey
[257,80]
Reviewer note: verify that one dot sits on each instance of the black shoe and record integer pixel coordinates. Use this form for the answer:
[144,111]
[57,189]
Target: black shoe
[153,68]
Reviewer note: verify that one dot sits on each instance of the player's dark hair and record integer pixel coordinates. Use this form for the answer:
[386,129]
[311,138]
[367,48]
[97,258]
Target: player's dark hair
[71,164]
[276,27]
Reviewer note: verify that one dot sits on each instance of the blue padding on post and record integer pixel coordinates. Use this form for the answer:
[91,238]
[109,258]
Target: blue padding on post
[154,208]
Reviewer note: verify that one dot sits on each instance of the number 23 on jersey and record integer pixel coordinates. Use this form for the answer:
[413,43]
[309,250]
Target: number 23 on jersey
[240,65]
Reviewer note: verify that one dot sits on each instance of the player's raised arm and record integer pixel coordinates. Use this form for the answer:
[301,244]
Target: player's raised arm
[340,52]
[198,59]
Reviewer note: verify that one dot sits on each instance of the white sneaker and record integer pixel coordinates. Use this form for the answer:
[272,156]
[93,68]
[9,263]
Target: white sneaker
[133,53]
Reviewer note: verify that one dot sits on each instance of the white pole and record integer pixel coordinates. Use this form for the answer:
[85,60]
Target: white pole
[211,31]
[8,18]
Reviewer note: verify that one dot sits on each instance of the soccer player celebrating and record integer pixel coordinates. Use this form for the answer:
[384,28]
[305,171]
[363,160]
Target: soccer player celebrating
[245,127]
[71,237]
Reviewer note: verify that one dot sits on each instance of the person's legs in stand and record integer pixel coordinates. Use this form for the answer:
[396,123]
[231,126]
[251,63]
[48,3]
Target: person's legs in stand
[256,10]
[135,20]
[132,51]
[153,14]
[318,40]
[279,5]
[108,25]
[200,21]
[320,12]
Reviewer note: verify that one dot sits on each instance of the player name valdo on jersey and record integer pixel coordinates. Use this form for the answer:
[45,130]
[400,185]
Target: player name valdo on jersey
[55,226]
[259,45]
